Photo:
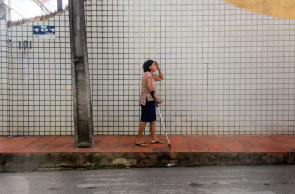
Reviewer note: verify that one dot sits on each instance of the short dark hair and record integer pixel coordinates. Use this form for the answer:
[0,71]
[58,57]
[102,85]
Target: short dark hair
[146,65]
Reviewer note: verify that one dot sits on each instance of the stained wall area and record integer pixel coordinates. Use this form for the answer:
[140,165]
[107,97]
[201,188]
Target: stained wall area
[277,8]
[227,70]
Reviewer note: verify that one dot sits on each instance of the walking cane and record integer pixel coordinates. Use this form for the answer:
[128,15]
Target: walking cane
[163,124]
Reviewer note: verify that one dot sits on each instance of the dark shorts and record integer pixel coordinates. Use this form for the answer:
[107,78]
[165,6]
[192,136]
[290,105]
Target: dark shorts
[148,112]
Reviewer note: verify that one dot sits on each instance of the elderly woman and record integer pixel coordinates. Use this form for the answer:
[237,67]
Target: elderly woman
[148,100]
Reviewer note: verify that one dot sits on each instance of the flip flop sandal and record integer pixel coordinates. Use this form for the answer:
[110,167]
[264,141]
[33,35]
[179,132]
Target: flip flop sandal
[143,144]
[157,142]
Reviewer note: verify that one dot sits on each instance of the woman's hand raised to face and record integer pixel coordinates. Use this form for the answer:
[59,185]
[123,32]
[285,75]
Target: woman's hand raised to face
[158,67]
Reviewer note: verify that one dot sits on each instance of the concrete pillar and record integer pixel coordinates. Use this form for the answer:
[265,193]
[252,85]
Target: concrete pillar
[80,76]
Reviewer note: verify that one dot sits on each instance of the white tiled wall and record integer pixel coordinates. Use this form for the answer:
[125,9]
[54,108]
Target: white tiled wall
[227,71]
[3,80]
[40,97]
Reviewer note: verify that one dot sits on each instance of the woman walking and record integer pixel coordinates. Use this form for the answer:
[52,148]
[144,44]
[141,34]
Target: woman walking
[148,100]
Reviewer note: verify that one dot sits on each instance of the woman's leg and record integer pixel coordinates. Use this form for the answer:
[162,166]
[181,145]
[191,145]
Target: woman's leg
[153,133]
[153,130]
[140,132]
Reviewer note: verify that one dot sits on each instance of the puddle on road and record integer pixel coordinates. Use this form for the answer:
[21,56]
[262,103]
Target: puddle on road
[195,185]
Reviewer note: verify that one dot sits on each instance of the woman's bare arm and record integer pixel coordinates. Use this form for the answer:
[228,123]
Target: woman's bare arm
[149,88]
[159,77]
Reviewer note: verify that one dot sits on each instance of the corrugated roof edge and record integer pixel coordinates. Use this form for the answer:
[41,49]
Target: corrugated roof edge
[38,18]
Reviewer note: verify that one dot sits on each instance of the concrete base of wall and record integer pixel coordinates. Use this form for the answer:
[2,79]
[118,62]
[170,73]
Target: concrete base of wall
[59,161]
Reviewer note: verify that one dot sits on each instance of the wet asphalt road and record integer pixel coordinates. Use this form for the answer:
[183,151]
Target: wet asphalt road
[232,179]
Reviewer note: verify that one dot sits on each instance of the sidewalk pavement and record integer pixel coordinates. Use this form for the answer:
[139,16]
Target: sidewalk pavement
[29,153]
